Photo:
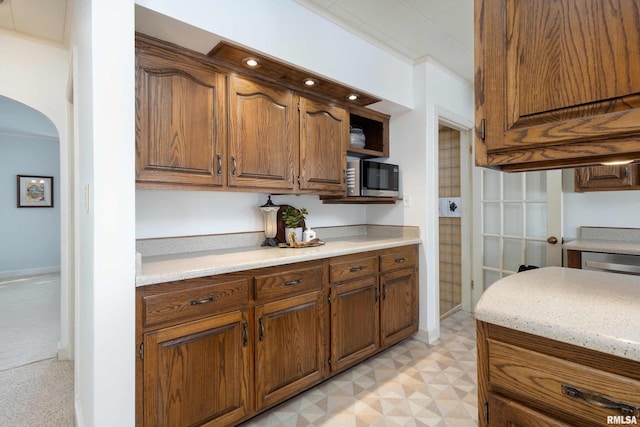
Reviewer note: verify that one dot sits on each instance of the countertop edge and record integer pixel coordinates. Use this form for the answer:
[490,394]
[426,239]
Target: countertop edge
[578,307]
[294,255]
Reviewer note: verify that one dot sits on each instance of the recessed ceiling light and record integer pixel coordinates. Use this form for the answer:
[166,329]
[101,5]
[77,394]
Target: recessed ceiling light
[310,82]
[352,97]
[251,62]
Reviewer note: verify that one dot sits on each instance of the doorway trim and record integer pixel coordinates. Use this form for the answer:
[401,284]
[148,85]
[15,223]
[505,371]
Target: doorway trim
[465,127]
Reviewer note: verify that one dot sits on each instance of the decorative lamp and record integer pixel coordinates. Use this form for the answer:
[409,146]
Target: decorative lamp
[270,215]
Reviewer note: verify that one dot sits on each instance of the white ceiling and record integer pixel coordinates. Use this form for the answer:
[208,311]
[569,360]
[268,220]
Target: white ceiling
[412,30]
[41,19]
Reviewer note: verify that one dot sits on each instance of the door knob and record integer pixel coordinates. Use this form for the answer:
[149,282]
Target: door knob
[552,240]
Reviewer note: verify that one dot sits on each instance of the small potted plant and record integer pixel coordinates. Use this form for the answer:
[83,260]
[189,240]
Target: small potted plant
[294,221]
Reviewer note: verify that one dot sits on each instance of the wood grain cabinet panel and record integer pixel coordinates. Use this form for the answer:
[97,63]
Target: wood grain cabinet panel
[289,351]
[557,82]
[355,332]
[198,373]
[263,135]
[527,380]
[180,126]
[324,132]
[398,306]
[607,178]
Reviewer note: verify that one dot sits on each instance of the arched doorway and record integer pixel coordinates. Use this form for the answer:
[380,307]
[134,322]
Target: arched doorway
[30,255]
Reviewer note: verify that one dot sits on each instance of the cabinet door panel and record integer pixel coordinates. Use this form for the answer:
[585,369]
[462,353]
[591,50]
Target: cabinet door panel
[197,373]
[180,132]
[557,82]
[290,347]
[263,137]
[324,132]
[605,178]
[354,322]
[399,306]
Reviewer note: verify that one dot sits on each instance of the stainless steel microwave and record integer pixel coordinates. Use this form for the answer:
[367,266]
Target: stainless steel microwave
[372,179]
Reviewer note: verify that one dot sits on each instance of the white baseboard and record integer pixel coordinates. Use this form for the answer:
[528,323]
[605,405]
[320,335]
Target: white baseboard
[29,272]
[427,337]
[78,414]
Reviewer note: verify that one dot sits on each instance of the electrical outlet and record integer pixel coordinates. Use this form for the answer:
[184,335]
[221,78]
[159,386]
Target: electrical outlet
[407,200]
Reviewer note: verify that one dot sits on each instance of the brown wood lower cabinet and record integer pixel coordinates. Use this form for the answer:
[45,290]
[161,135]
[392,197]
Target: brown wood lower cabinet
[198,373]
[289,347]
[218,350]
[527,380]
[399,306]
[355,331]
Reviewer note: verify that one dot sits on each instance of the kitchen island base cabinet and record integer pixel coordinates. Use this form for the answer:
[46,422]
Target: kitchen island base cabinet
[528,380]
[289,347]
[198,373]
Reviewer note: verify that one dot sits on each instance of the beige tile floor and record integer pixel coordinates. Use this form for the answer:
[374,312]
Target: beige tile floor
[410,384]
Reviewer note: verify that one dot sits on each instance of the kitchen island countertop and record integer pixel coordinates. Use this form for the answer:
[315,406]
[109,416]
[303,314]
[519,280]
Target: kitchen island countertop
[590,309]
[189,264]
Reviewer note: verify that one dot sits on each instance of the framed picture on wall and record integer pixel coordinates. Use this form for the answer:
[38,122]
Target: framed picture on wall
[35,191]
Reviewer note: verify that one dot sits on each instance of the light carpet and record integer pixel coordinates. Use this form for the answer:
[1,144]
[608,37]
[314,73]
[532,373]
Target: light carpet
[29,319]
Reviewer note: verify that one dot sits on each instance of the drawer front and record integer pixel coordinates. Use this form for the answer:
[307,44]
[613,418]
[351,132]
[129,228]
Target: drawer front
[398,259]
[286,282]
[577,391]
[195,303]
[348,268]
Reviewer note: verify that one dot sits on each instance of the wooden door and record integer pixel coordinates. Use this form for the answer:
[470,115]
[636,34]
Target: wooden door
[324,135]
[197,373]
[290,348]
[263,136]
[557,82]
[398,306]
[180,123]
[607,178]
[355,330]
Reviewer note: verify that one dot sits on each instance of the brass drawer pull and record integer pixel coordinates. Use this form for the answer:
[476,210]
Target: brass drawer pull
[293,282]
[600,401]
[212,298]
[356,269]
[399,260]
[218,164]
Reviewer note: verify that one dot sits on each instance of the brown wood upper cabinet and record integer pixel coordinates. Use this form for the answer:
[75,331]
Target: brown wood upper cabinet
[557,82]
[180,130]
[200,126]
[324,135]
[280,140]
[263,140]
[607,178]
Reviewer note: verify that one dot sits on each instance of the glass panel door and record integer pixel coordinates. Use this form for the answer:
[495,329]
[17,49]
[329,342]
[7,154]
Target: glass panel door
[518,215]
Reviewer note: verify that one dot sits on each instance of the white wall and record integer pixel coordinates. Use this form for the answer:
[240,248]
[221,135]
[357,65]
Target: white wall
[291,33]
[36,75]
[30,236]
[597,209]
[414,136]
[164,213]
[105,142]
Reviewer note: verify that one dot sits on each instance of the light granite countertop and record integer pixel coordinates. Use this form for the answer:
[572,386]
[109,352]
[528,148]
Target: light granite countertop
[590,309]
[164,260]
[606,239]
